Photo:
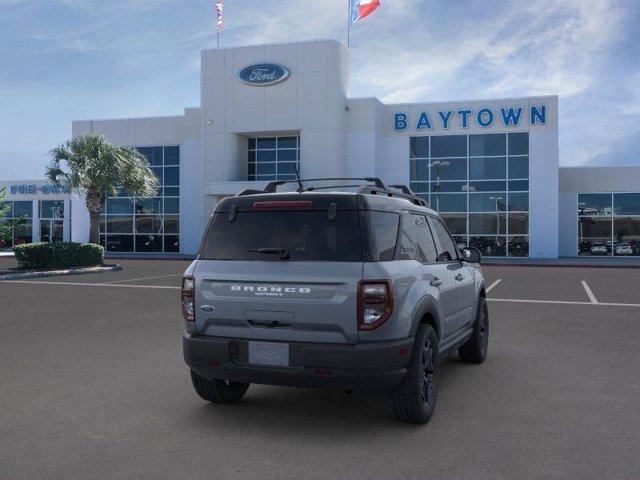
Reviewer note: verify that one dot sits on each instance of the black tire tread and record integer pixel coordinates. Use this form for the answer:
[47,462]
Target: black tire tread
[402,400]
[471,351]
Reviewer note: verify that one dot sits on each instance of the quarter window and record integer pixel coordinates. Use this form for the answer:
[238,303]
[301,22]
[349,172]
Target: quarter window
[381,233]
[406,243]
[424,241]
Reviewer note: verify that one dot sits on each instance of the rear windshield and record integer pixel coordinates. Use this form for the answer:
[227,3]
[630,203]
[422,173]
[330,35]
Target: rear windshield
[305,235]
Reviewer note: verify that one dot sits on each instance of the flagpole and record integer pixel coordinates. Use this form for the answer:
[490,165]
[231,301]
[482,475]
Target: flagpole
[219,5]
[348,22]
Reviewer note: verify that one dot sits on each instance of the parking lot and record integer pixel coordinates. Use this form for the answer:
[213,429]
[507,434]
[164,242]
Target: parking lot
[93,385]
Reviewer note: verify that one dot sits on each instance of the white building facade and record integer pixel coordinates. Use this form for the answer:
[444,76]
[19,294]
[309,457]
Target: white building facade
[40,212]
[489,167]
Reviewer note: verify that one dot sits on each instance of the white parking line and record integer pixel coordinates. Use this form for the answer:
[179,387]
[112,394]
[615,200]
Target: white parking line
[142,278]
[563,302]
[490,287]
[592,297]
[78,284]
[163,287]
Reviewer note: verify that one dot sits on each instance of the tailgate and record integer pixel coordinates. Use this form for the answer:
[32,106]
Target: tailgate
[278,300]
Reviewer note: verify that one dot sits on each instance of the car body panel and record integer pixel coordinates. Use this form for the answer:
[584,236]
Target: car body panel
[278,300]
[313,306]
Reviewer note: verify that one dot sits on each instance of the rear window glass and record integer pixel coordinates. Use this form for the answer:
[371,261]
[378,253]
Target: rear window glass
[381,233]
[424,240]
[306,236]
[406,250]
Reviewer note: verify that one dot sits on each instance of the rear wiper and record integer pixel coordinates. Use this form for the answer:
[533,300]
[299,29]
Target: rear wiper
[283,252]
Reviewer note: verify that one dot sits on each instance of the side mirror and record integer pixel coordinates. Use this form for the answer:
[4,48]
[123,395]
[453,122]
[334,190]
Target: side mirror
[471,255]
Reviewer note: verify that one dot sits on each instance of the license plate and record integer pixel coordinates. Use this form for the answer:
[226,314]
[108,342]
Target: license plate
[267,353]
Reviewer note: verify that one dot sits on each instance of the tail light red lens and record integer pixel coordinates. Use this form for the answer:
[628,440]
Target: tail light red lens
[283,205]
[375,303]
[187,298]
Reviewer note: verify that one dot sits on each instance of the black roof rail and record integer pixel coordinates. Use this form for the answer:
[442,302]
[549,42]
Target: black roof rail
[379,187]
[249,191]
[371,190]
[272,187]
[407,191]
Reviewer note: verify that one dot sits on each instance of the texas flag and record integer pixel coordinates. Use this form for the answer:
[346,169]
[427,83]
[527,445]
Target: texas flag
[361,8]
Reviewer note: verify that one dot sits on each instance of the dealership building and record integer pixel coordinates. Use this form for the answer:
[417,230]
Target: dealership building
[490,167]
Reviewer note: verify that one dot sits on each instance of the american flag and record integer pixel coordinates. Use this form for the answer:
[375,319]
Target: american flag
[219,7]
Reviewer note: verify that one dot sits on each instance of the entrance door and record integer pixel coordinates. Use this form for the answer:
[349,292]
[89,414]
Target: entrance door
[51,230]
[51,220]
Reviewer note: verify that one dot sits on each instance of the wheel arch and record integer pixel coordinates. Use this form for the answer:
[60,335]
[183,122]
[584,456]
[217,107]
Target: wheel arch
[427,312]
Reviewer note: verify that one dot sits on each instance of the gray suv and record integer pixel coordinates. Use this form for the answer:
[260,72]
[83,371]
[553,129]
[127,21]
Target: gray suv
[321,287]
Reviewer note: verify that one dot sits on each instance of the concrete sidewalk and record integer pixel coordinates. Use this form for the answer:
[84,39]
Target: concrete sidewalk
[588,262]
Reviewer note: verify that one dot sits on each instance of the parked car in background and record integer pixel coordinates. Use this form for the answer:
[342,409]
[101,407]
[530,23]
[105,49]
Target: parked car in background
[599,249]
[624,249]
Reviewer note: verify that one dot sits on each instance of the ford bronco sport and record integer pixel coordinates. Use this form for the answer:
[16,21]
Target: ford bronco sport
[354,290]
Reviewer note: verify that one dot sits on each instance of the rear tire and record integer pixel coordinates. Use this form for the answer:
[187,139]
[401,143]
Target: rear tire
[475,349]
[415,400]
[218,391]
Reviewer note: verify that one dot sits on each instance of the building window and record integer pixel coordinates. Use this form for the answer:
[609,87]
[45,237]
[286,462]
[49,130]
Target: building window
[273,158]
[51,220]
[609,224]
[149,224]
[21,212]
[480,186]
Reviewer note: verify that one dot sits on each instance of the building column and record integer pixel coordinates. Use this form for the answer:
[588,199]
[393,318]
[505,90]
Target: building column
[35,222]
[66,221]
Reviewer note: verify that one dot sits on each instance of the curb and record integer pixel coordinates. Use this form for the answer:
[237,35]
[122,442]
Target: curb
[560,265]
[60,273]
[115,256]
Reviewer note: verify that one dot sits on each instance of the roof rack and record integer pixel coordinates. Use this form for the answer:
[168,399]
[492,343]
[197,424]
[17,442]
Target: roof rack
[378,187]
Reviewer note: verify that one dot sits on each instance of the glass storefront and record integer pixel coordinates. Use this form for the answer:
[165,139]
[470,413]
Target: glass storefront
[137,224]
[22,213]
[51,214]
[273,158]
[609,224]
[480,186]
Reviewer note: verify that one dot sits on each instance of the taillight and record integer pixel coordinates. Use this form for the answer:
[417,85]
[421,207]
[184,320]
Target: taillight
[283,205]
[375,303]
[187,298]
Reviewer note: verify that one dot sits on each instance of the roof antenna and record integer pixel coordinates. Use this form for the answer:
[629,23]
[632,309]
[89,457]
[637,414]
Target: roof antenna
[301,187]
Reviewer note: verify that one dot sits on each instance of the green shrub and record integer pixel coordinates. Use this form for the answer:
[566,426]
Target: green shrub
[47,256]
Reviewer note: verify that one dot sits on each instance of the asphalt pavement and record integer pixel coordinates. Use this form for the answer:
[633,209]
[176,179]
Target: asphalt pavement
[93,386]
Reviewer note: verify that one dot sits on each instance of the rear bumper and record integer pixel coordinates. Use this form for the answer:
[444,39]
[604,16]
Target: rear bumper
[367,367]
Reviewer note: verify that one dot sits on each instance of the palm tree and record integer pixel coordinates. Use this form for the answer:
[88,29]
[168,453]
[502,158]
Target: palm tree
[5,223]
[96,167]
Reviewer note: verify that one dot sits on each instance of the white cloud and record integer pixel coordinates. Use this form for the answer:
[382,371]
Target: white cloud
[409,50]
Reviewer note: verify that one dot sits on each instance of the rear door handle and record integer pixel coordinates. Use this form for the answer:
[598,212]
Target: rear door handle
[459,277]
[436,282]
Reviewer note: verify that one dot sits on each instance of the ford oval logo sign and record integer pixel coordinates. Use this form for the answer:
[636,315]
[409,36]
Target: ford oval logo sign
[263,74]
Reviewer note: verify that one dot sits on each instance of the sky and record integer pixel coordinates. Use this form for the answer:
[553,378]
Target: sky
[64,60]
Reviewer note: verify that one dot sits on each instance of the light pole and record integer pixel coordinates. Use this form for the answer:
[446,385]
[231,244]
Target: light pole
[438,164]
[497,216]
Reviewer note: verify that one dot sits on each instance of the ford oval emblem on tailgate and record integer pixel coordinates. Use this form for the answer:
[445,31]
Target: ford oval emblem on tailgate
[207,308]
